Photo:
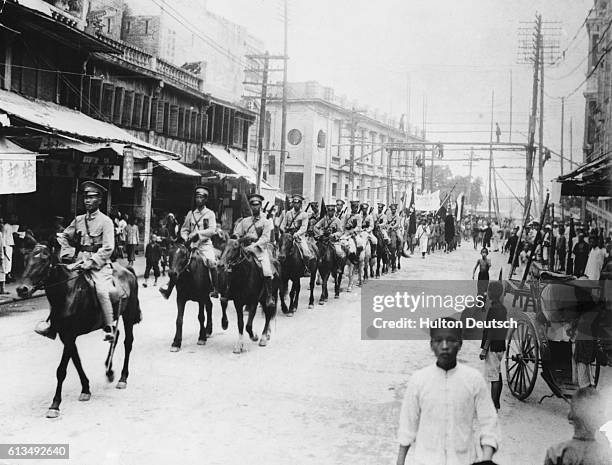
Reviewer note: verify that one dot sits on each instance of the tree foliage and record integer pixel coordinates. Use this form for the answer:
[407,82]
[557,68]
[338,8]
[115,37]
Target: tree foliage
[444,180]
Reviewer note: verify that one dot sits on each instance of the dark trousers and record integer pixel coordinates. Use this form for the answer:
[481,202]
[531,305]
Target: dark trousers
[131,252]
[151,266]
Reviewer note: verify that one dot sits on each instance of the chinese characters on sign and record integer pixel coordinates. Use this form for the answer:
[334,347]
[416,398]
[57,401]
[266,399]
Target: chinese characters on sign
[128,168]
[57,168]
[17,174]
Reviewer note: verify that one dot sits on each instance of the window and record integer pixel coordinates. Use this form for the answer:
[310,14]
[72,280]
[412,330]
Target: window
[108,24]
[346,190]
[127,27]
[334,190]
[272,164]
[321,138]
[238,131]
[294,137]
[147,27]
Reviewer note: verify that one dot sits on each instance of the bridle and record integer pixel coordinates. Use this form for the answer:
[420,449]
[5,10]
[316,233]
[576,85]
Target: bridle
[42,282]
[242,257]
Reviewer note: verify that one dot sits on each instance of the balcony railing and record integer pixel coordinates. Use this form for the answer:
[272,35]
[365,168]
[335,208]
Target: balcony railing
[139,57]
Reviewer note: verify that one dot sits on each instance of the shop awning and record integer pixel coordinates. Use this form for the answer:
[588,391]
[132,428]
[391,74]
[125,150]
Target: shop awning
[63,120]
[174,166]
[593,179]
[231,162]
[17,168]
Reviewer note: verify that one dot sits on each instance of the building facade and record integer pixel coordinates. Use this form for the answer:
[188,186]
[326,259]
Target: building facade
[321,127]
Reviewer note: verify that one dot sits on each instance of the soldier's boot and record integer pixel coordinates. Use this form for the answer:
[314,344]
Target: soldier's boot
[44,328]
[214,281]
[269,292]
[166,291]
[107,311]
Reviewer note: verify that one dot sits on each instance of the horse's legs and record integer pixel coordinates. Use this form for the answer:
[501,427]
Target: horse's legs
[209,320]
[127,345]
[313,279]
[53,411]
[223,301]
[239,346]
[201,318]
[178,335]
[252,308]
[324,295]
[294,295]
[283,293]
[76,360]
[269,314]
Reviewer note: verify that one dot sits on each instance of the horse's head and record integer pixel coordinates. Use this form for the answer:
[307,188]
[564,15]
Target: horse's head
[38,262]
[180,259]
[219,239]
[285,246]
[232,254]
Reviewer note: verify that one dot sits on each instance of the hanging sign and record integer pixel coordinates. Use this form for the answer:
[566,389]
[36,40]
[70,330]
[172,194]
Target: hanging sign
[17,173]
[128,168]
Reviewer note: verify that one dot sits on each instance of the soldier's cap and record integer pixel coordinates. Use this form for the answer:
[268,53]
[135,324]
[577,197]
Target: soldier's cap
[380,204]
[330,206]
[201,188]
[297,198]
[340,201]
[354,202]
[547,226]
[393,205]
[313,204]
[365,205]
[256,198]
[92,188]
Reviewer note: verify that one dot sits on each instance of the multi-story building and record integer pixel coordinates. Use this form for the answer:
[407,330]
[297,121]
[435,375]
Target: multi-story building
[594,177]
[321,127]
[99,108]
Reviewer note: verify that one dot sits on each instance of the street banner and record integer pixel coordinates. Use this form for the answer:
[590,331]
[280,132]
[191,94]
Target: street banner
[17,173]
[128,168]
[555,194]
[427,202]
[459,207]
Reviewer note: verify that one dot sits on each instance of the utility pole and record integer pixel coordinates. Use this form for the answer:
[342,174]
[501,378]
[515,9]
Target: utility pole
[262,120]
[491,153]
[431,171]
[541,135]
[510,130]
[534,109]
[352,155]
[562,130]
[469,193]
[571,147]
[283,144]
[424,134]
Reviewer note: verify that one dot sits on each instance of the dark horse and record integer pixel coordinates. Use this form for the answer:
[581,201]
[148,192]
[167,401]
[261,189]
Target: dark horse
[292,268]
[75,311]
[382,253]
[241,280]
[395,250]
[329,264]
[193,283]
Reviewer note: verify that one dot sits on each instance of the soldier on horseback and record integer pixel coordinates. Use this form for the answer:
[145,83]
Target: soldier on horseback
[352,227]
[295,223]
[380,220]
[340,213]
[256,230]
[199,226]
[97,242]
[330,226]
[393,218]
[367,225]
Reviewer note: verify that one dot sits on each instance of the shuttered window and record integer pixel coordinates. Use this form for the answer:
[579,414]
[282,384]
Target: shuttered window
[181,123]
[128,108]
[108,95]
[146,122]
[173,121]
[163,115]
[118,108]
[199,127]
[137,111]
[192,125]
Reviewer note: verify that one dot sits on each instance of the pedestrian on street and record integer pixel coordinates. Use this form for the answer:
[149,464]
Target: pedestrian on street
[8,230]
[487,235]
[483,264]
[493,342]
[2,260]
[581,255]
[132,237]
[587,446]
[441,406]
[561,246]
[596,258]
[422,234]
[475,233]
[153,255]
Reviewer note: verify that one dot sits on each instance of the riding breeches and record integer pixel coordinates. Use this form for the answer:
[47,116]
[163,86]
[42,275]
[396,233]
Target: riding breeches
[207,252]
[305,248]
[103,280]
[373,239]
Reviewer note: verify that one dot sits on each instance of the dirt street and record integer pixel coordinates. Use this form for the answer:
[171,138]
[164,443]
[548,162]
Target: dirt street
[316,395]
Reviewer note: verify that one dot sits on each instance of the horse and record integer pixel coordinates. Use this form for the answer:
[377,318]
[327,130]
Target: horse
[382,252]
[395,250]
[329,264]
[193,283]
[355,259]
[76,311]
[241,280]
[369,259]
[292,268]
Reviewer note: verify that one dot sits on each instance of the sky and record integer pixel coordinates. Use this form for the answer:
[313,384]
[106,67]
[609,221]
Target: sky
[451,54]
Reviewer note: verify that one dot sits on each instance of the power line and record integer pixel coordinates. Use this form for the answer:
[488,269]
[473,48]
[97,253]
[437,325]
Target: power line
[562,56]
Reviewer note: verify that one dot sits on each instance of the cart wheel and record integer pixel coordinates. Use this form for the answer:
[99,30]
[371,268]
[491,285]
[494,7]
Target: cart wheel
[522,358]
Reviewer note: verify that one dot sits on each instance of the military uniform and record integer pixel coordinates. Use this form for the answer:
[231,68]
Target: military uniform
[97,234]
[259,229]
[367,225]
[204,223]
[333,228]
[296,223]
